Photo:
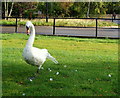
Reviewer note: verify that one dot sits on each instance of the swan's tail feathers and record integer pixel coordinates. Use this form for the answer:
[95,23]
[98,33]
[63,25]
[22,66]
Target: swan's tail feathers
[52,59]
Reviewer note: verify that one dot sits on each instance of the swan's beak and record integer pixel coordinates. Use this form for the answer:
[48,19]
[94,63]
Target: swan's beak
[28,31]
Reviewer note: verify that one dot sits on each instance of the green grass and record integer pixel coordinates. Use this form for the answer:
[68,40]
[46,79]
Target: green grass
[84,66]
[61,22]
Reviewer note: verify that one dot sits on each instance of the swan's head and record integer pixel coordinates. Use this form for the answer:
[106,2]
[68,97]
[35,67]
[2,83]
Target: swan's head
[28,26]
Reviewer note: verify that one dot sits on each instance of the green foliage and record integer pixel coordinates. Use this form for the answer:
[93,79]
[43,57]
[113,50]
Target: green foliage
[64,9]
[79,9]
[84,67]
[112,7]
[61,22]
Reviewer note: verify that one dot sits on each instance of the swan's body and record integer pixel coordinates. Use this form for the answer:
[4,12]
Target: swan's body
[33,55]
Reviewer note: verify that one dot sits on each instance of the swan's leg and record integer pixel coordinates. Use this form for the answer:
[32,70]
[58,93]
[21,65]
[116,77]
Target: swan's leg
[39,69]
[33,77]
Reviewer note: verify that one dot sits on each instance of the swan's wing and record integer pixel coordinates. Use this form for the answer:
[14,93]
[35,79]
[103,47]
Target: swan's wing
[39,53]
[43,54]
[35,56]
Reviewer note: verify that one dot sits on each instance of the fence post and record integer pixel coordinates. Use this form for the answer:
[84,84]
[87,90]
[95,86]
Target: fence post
[54,27]
[46,11]
[96,28]
[16,25]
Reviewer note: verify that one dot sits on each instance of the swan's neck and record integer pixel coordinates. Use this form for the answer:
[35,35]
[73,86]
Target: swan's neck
[32,37]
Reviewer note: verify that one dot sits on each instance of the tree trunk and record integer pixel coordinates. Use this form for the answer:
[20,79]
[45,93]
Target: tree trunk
[11,9]
[5,9]
[88,12]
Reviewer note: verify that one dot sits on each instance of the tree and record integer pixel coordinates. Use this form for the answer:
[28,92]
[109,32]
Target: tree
[24,8]
[88,9]
[8,8]
[11,9]
[65,8]
[60,9]
[112,7]
[97,8]
[79,9]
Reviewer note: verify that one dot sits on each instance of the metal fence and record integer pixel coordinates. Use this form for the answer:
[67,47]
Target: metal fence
[96,31]
[76,31]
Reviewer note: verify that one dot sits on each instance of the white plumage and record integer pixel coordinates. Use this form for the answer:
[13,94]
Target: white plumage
[33,55]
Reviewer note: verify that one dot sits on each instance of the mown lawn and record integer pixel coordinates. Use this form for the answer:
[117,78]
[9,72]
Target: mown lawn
[87,67]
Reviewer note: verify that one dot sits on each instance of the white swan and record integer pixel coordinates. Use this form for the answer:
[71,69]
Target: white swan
[33,55]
